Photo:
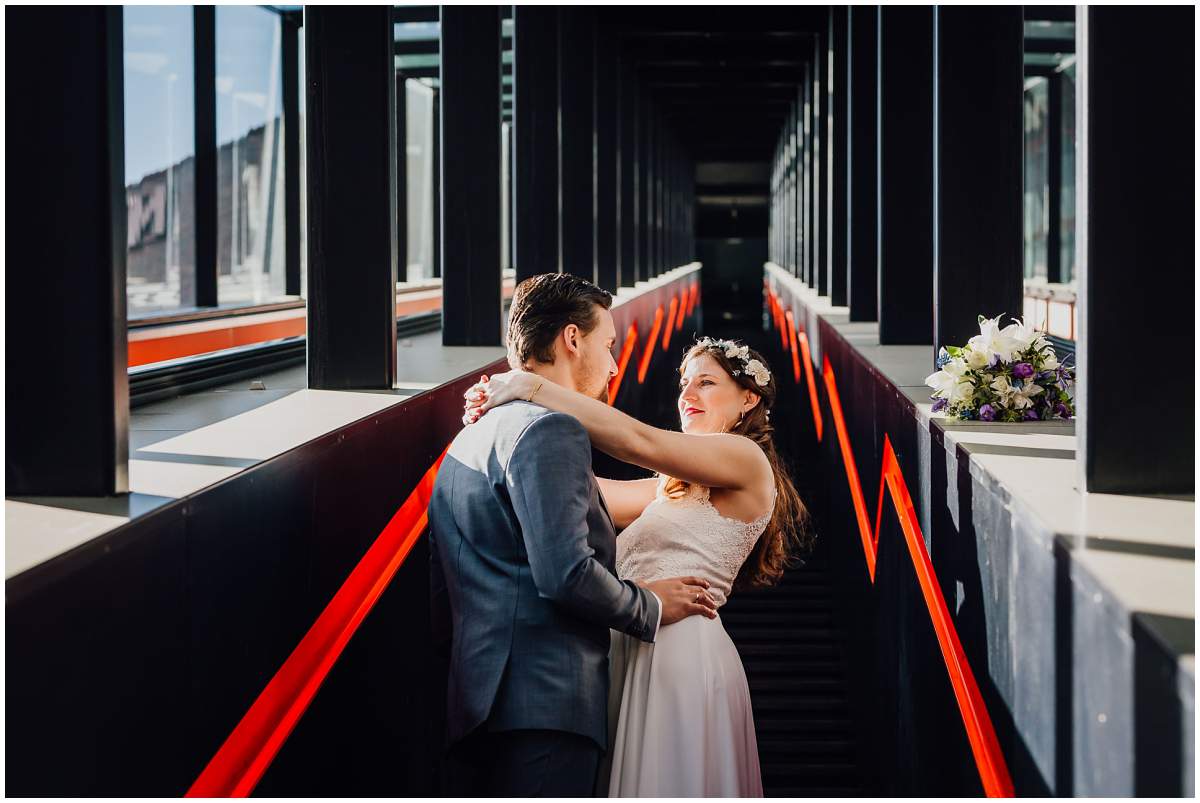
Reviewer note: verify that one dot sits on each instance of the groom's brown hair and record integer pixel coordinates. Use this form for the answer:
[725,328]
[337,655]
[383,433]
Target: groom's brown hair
[542,305]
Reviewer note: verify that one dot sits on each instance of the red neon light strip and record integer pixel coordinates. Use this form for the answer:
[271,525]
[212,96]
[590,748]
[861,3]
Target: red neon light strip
[671,322]
[818,420]
[685,308]
[614,384]
[779,321]
[644,365]
[241,761]
[989,759]
[695,298]
[791,329]
[984,744]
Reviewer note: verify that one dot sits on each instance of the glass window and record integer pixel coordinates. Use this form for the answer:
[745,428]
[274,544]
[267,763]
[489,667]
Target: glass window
[419,133]
[250,200]
[1036,178]
[1067,79]
[159,159]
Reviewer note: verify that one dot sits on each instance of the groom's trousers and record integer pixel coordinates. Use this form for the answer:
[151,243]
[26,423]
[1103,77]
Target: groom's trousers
[523,763]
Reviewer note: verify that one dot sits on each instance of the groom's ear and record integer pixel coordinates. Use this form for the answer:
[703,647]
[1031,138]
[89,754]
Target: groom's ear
[569,338]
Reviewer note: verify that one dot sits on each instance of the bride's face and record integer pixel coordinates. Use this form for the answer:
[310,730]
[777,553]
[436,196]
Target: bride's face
[709,400]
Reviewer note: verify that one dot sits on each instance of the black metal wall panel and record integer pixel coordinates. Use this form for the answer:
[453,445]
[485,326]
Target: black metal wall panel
[905,134]
[353,239]
[204,70]
[821,162]
[576,162]
[68,396]
[862,290]
[470,177]
[979,158]
[839,199]
[1134,226]
[606,80]
[535,126]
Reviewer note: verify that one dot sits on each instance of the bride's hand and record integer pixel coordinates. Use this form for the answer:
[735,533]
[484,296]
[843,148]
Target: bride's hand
[497,390]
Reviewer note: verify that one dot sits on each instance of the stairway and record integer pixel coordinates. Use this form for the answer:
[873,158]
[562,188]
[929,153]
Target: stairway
[794,662]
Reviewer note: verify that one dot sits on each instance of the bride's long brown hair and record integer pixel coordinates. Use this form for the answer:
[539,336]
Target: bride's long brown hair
[788,532]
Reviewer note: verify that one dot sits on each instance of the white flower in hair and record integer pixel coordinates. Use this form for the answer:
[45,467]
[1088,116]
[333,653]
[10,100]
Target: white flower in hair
[759,371]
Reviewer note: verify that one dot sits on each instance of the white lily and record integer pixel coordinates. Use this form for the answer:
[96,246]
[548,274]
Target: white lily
[1022,397]
[1002,386]
[991,341]
[950,386]
[1024,335]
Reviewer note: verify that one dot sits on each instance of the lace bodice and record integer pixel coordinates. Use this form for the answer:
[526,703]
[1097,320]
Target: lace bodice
[687,536]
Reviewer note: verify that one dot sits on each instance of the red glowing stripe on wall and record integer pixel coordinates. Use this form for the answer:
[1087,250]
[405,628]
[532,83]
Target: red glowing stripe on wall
[614,384]
[241,761]
[989,759]
[777,314]
[648,352]
[806,361]
[671,322]
[791,330]
[694,297]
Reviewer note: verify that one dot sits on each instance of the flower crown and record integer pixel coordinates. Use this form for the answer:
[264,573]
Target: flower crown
[733,351]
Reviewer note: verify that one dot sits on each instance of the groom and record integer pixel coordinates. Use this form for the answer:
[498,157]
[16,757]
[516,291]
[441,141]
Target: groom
[522,566]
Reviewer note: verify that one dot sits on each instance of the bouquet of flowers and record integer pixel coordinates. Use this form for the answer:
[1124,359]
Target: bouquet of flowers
[1009,374]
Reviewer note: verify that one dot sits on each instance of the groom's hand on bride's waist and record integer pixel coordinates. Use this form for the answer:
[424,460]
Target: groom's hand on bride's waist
[682,597]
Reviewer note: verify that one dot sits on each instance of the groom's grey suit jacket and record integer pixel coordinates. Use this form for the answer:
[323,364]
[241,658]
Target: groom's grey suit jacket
[523,582]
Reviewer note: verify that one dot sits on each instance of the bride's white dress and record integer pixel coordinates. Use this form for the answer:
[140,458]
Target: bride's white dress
[679,716]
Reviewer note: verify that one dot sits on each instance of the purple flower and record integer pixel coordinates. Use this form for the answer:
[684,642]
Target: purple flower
[1022,370]
[1062,410]
[1031,414]
[987,413]
[938,406]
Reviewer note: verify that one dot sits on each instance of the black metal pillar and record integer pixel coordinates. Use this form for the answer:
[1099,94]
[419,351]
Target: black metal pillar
[1135,242]
[204,63]
[67,421]
[605,92]
[839,100]
[862,223]
[978,147]
[905,245]
[535,127]
[289,28]
[576,131]
[353,246]
[471,74]
[821,161]
[626,178]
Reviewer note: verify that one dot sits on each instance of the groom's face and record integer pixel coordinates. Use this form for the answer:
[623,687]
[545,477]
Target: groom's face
[594,364]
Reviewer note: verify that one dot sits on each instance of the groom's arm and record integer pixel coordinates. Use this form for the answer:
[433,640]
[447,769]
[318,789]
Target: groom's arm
[549,481]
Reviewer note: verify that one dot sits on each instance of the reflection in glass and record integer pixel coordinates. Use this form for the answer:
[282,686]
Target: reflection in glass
[250,200]
[419,133]
[159,159]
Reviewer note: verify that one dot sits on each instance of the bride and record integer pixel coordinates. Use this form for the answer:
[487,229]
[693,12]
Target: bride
[723,508]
